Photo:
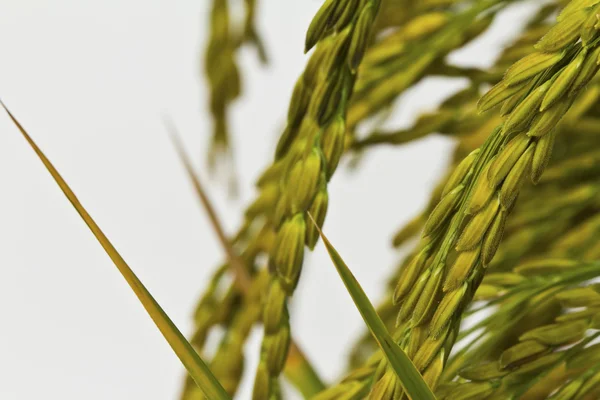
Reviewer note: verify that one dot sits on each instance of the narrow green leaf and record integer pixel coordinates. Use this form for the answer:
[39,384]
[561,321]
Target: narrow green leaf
[301,374]
[242,278]
[409,376]
[197,369]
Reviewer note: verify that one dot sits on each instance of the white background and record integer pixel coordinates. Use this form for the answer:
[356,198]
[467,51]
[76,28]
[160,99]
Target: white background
[91,81]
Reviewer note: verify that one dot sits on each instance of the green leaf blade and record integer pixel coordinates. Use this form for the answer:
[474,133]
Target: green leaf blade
[407,373]
[196,367]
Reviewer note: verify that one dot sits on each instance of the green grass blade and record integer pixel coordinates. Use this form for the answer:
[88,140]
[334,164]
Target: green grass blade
[197,369]
[409,376]
[301,374]
[242,278]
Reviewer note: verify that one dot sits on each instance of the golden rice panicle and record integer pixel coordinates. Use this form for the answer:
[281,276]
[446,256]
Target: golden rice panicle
[257,235]
[297,124]
[466,230]
[406,55]
[310,149]
[223,75]
[222,71]
[228,361]
[545,346]
[332,145]
[250,32]
[494,291]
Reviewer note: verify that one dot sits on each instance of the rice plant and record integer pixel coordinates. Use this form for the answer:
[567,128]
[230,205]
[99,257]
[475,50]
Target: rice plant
[498,297]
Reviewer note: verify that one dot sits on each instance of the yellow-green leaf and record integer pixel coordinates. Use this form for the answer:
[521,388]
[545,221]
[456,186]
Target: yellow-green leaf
[197,369]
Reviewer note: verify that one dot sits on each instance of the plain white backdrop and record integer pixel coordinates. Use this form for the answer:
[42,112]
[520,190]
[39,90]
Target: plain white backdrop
[91,82]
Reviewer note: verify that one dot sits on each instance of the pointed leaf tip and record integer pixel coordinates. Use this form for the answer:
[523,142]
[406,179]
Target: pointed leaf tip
[409,376]
[196,367]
